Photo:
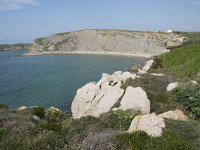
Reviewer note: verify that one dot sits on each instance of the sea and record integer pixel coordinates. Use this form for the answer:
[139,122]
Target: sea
[52,80]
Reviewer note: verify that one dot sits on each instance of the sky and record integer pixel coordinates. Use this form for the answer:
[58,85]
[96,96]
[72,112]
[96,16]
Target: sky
[21,21]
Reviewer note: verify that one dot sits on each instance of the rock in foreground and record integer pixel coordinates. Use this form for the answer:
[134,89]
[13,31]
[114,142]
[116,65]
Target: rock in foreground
[150,123]
[94,99]
[135,99]
[175,115]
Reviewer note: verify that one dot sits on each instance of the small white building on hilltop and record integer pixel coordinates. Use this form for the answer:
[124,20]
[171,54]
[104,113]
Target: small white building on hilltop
[170,31]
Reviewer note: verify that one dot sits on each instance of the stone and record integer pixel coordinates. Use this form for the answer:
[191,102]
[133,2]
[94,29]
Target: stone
[90,100]
[150,123]
[22,108]
[172,86]
[105,100]
[194,82]
[157,74]
[135,99]
[115,109]
[175,115]
[147,66]
[83,99]
[36,118]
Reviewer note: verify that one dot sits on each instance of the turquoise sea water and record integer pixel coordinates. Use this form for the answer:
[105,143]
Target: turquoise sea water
[52,80]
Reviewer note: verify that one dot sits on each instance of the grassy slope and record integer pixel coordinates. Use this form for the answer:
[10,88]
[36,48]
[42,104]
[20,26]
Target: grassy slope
[182,62]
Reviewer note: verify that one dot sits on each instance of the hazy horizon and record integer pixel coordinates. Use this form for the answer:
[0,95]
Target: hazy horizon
[24,20]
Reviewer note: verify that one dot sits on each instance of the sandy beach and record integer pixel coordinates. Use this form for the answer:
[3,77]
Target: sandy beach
[91,53]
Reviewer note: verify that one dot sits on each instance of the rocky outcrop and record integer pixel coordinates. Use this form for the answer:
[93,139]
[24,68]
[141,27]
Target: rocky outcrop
[94,99]
[175,115]
[175,41]
[107,41]
[135,99]
[150,123]
[153,124]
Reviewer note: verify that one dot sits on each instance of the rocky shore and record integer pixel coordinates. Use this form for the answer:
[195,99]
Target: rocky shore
[97,98]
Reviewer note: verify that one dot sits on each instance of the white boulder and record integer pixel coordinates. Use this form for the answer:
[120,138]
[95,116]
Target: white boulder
[135,99]
[83,99]
[150,123]
[175,115]
[157,74]
[22,108]
[105,100]
[194,82]
[94,99]
[172,86]
[36,118]
[147,66]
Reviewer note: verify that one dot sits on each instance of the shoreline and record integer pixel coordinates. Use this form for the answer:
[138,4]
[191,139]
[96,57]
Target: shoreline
[92,53]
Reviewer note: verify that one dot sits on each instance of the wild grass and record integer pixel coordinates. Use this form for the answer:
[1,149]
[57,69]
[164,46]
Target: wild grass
[182,62]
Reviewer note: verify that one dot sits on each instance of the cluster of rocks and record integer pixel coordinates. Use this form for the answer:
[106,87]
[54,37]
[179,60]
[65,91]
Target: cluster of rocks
[153,124]
[94,99]
[106,95]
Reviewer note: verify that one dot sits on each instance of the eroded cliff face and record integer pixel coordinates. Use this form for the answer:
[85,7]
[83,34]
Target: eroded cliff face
[108,41]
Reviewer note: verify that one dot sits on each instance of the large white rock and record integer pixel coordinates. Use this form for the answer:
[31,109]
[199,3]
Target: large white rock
[135,99]
[94,99]
[105,100]
[150,123]
[83,99]
[175,115]
[147,66]
[172,86]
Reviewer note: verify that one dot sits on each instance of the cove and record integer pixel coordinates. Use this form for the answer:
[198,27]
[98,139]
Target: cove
[52,80]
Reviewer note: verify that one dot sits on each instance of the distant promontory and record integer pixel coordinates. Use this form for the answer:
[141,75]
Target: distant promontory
[120,42]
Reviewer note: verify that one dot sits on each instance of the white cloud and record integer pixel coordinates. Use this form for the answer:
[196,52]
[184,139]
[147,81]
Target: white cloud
[6,5]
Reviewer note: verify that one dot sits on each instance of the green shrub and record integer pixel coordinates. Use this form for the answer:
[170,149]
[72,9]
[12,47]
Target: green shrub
[189,97]
[182,62]
[3,106]
[3,132]
[117,120]
[55,116]
[1,122]
[187,130]
[141,141]
[38,111]
[48,141]
[13,142]
[50,126]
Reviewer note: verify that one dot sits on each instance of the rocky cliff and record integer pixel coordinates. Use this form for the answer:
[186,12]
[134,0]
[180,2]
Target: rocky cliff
[107,41]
